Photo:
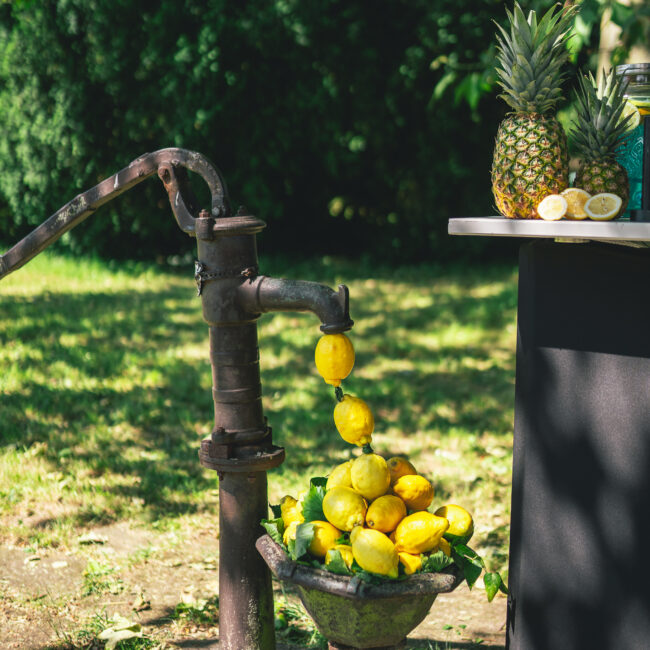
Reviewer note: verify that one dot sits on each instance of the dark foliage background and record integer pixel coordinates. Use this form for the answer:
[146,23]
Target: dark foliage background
[348,126]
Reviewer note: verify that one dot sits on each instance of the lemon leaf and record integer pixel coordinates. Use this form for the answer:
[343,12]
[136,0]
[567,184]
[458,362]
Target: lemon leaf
[336,563]
[312,504]
[493,583]
[304,535]
[435,562]
[469,561]
[276,510]
[274,528]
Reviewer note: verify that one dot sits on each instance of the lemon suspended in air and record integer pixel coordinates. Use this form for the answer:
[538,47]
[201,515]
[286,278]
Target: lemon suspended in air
[399,466]
[325,536]
[604,207]
[385,512]
[354,420]
[370,476]
[552,207]
[374,552]
[346,553]
[415,490]
[410,562]
[420,532]
[344,508]
[576,199]
[340,476]
[461,524]
[334,357]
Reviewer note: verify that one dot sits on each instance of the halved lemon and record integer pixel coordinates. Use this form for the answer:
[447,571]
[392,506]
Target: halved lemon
[576,199]
[603,207]
[552,208]
[635,120]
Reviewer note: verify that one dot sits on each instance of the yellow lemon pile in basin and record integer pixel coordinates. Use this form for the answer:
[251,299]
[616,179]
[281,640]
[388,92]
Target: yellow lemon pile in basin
[372,516]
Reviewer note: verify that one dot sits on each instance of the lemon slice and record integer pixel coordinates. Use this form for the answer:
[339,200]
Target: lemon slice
[635,120]
[552,208]
[576,199]
[603,207]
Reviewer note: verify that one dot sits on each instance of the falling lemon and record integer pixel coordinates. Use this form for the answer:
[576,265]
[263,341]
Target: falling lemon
[604,207]
[374,552]
[416,491]
[420,532]
[325,536]
[344,508]
[399,466]
[354,420]
[334,357]
[461,524]
[370,476]
[385,512]
[576,199]
[552,208]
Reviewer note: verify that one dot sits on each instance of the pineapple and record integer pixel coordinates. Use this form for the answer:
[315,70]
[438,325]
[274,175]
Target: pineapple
[599,131]
[531,158]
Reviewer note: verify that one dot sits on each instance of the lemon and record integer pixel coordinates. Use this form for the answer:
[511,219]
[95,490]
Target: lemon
[374,552]
[346,553]
[604,207]
[415,491]
[461,524]
[445,547]
[340,476]
[576,199]
[291,510]
[334,357]
[325,536]
[420,532]
[370,476]
[635,120]
[290,532]
[344,508]
[410,562]
[385,512]
[354,420]
[552,208]
[399,466]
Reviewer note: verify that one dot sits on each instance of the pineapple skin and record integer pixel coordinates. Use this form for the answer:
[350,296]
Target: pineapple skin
[531,161]
[600,175]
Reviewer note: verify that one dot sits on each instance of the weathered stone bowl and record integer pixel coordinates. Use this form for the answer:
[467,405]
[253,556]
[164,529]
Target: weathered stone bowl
[355,614]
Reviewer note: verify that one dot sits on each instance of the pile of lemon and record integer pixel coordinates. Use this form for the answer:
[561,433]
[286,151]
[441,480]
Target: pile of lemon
[370,514]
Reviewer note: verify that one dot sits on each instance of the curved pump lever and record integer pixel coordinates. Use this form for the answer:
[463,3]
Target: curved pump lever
[169,164]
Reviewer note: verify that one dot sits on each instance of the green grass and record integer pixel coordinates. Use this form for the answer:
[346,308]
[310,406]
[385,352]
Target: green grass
[105,392]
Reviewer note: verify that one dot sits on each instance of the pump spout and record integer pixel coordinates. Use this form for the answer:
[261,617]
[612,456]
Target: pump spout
[264,294]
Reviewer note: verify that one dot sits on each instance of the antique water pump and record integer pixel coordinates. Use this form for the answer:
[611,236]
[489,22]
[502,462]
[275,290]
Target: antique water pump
[233,296]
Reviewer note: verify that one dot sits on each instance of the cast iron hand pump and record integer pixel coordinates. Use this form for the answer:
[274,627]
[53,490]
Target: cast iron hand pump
[233,296]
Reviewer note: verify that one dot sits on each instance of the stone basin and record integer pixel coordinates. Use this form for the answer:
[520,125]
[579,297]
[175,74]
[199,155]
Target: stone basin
[351,613]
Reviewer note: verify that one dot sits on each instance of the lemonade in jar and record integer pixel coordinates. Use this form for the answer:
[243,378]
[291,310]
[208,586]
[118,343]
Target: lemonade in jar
[630,155]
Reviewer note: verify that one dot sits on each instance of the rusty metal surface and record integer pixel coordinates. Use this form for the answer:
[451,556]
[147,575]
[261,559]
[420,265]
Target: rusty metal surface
[171,163]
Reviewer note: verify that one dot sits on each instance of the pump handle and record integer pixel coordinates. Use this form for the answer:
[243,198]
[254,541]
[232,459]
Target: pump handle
[170,164]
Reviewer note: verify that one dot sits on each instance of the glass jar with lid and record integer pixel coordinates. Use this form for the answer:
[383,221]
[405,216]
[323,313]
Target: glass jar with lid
[637,90]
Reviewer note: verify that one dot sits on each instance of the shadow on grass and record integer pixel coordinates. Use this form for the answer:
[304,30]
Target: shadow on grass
[86,367]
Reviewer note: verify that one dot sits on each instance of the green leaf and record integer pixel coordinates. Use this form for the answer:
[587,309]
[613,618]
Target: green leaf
[276,510]
[312,504]
[493,583]
[435,562]
[469,561]
[304,535]
[275,529]
[337,564]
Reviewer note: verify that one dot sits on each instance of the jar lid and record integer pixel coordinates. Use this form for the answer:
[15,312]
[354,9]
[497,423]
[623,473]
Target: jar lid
[634,70]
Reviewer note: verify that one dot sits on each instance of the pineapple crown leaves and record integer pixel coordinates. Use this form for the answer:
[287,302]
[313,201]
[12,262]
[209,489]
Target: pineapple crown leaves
[531,56]
[599,130]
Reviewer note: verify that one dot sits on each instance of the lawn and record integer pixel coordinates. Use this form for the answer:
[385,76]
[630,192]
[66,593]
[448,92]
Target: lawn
[105,394]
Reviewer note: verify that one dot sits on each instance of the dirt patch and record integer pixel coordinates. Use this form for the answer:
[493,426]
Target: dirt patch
[148,576]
